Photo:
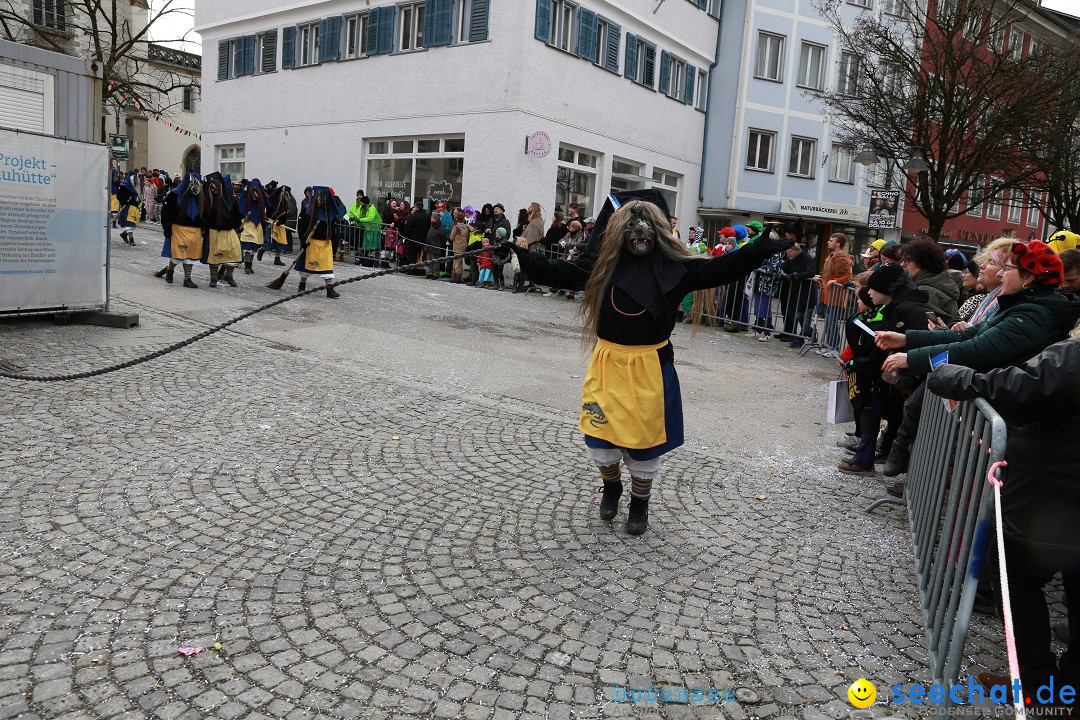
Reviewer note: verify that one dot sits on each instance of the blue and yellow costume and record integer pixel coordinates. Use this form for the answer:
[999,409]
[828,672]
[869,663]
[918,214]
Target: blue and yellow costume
[317,232]
[631,404]
[252,203]
[182,224]
[221,250]
[127,216]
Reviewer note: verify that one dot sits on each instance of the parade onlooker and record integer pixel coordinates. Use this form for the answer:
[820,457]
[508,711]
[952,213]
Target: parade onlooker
[1031,317]
[924,261]
[417,225]
[798,292]
[434,246]
[990,261]
[872,256]
[869,393]
[459,239]
[532,238]
[1070,262]
[1040,402]
[835,273]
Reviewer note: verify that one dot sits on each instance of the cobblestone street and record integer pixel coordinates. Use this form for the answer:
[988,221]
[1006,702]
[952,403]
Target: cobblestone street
[380,508]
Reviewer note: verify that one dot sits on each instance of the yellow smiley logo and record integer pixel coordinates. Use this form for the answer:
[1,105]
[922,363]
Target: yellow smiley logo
[862,693]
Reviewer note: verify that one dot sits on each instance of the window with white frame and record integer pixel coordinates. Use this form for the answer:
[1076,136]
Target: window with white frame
[50,14]
[231,160]
[563,25]
[464,8]
[946,12]
[892,81]
[759,150]
[307,41]
[626,175]
[801,163]
[1016,205]
[188,101]
[701,90]
[226,59]
[1016,43]
[996,36]
[645,73]
[842,164]
[668,185]
[354,35]
[976,196]
[892,7]
[878,174]
[1033,210]
[714,8]
[411,29]
[677,79]
[861,3]
[850,67]
[770,57]
[974,26]
[1034,45]
[576,178]
[266,52]
[811,66]
[603,39]
[993,200]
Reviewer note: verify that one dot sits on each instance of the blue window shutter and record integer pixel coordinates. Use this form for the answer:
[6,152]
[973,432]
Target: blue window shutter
[223,60]
[650,65]
[329,39]
[543,20]
[373,32]
[611,60]
[665,72]
[288,48]
[249,55]
[691,82]
[478,23]
[587,29]
[630,64]
[386,29]
[438,22]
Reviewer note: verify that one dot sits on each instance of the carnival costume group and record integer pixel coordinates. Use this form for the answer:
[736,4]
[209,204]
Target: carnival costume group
[635,274]
[204,223]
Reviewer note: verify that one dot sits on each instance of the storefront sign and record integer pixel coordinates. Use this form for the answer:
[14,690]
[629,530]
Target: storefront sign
[883,204]
[823,210]
[120,147]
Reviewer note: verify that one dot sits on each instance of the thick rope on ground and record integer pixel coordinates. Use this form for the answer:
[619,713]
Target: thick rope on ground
[206,333]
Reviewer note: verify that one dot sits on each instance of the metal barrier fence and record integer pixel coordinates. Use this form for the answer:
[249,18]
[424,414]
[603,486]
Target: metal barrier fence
[950,513]
[766,302]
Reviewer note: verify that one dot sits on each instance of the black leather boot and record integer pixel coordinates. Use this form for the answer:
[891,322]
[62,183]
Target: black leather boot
[187,277]
[214,275]
[302,286]
[637,521]
[278,261]
[331,292]
[609,503]
[161,272]
[169,273]
[248,270]
[228,278]
[259,256]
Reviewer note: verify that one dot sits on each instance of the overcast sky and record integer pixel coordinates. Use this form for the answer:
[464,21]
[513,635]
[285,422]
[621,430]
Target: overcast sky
[1070,6]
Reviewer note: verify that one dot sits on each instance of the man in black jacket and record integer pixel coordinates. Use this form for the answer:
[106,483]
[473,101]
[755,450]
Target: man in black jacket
[416,229]
[798,294]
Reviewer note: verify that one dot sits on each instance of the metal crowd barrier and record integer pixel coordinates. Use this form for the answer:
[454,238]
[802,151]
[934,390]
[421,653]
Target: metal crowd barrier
[949,510]
[842,305]
[765,303]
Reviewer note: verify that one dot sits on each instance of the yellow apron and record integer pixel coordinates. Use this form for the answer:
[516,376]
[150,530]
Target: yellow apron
[278,235]
[251,233]
[319,256]
[114,203]
[186,242]
[622,400]
[224,247]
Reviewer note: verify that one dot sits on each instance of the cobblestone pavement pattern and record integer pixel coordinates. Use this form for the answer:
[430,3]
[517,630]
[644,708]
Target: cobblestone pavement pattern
[366,537]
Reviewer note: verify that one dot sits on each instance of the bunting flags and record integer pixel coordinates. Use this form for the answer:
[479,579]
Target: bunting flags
[158,118]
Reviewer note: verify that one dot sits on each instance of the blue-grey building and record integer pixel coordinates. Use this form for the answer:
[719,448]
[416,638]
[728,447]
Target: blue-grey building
[769,152]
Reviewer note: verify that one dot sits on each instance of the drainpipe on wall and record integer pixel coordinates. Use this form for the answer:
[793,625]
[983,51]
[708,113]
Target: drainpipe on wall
[708,105]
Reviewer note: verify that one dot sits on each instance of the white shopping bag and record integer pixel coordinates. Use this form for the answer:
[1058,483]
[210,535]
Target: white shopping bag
[839,410]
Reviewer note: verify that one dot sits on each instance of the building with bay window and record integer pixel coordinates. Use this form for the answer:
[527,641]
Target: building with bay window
[464,101]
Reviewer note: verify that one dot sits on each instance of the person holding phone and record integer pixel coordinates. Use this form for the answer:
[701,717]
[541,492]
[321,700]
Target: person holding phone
[1032,316]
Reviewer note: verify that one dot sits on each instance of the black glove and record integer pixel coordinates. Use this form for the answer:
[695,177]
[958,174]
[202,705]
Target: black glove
[772,243]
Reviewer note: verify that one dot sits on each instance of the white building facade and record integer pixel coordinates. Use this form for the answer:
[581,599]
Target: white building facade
[464,101]
[770,155]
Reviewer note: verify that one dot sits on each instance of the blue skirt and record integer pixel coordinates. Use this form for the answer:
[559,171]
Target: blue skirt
[673,420]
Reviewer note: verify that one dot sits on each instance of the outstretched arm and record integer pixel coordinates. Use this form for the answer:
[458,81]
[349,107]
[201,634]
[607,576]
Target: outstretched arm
[566,274]
[732,266]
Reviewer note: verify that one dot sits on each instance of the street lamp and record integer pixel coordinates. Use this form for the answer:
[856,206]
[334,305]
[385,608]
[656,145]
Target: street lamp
[867,156]
[917,163]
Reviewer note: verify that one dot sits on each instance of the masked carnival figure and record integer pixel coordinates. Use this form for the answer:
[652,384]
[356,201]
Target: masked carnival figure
[253,203]
[316,230]
[182,222]
[635,273]
[281,200]
[127,217]
[222,249]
